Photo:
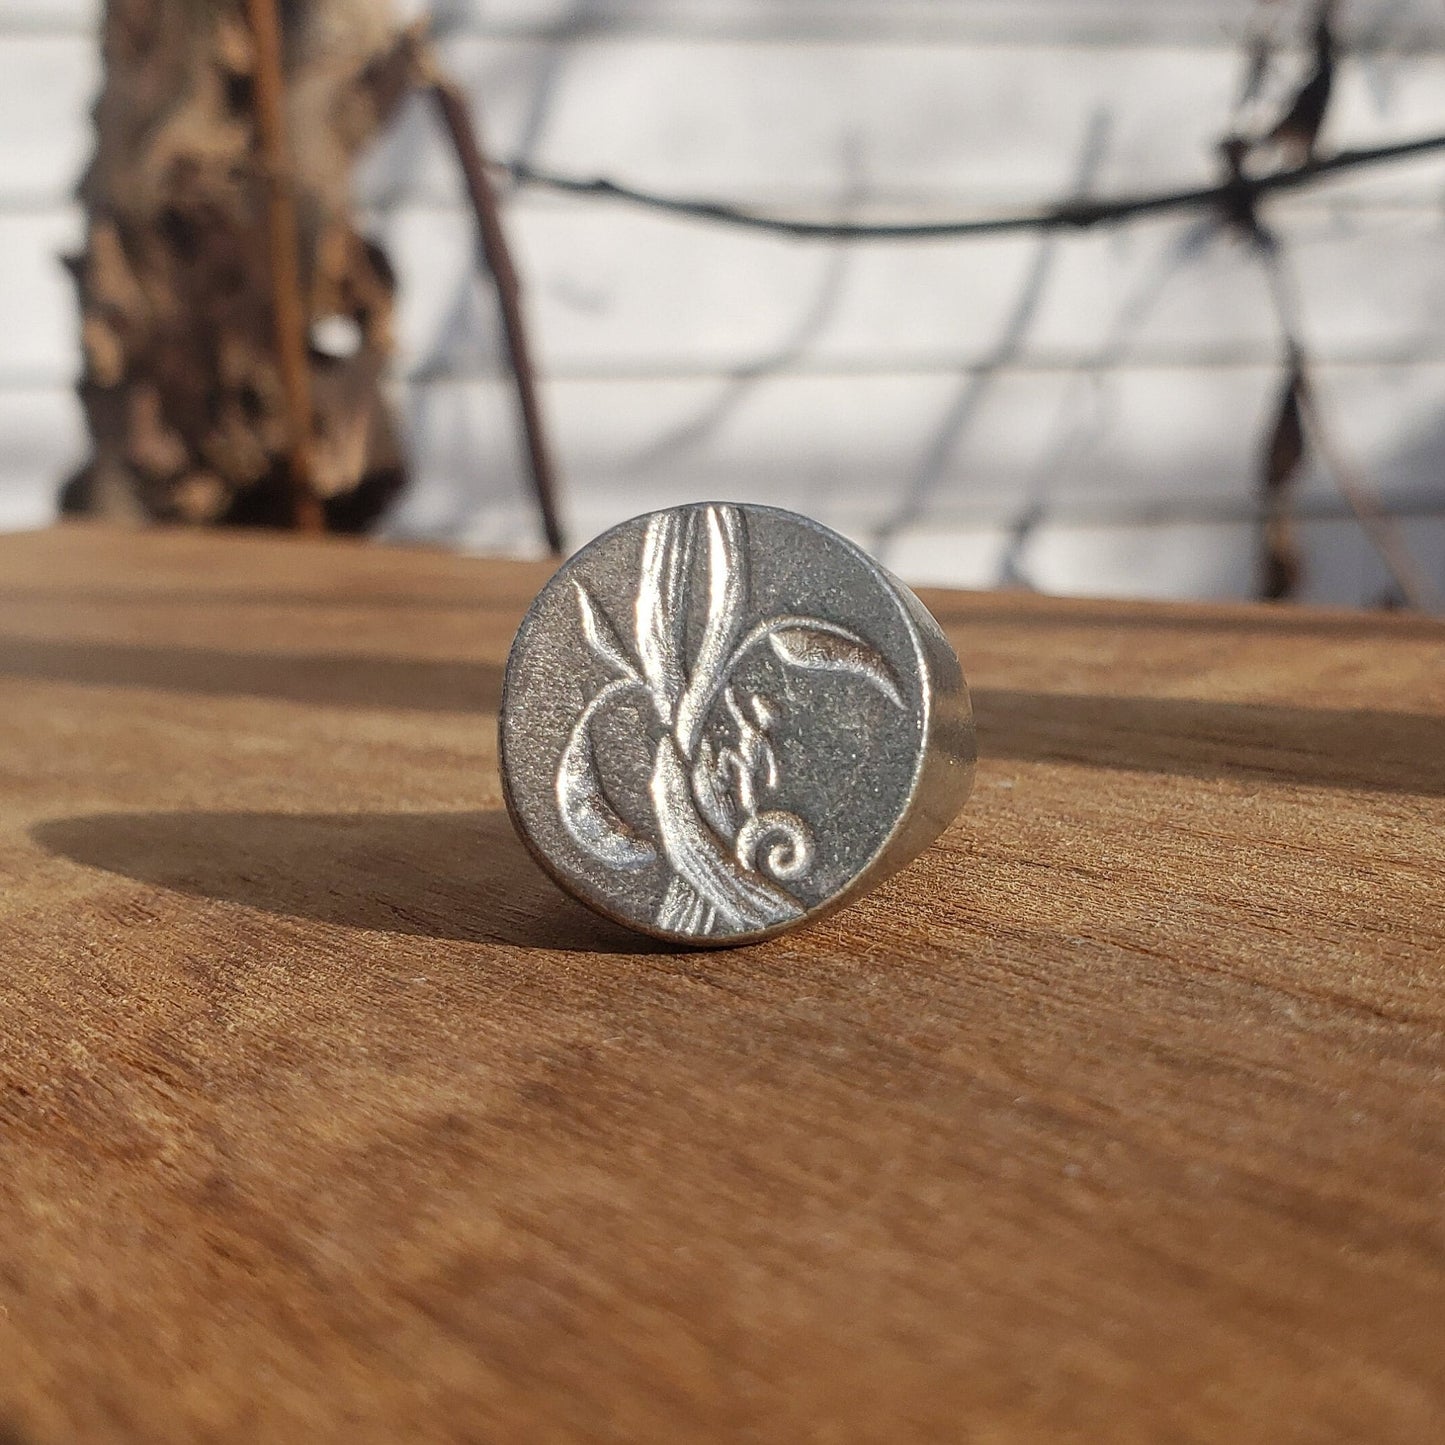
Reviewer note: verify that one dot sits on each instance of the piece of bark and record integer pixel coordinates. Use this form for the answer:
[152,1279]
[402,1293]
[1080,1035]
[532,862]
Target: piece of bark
[181,387]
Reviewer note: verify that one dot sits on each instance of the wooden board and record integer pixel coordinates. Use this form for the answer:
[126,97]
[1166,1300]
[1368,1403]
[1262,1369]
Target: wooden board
[873,451]
[1375,25]
[617,293]
[44,433]
[1121,1115]
[934,394]
[1144,475]
[911,124]
[47,83]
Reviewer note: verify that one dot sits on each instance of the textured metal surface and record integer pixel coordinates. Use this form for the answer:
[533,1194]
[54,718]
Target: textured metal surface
[720,721]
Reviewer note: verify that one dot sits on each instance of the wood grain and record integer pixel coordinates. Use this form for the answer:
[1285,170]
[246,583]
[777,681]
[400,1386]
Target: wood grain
[1120,1116]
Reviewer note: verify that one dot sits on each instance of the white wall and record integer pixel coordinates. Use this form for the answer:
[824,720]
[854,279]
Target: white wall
[1082,412]
[48,71]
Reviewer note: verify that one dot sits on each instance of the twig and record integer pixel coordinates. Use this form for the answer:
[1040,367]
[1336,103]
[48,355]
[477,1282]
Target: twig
[462,128]
[1377,524]
[288,309]
[1064,215]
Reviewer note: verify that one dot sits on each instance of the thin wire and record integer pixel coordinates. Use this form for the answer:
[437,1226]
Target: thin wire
[1075,214]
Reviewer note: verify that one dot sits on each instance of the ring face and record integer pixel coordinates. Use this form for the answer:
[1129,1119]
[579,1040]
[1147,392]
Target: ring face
[718,721]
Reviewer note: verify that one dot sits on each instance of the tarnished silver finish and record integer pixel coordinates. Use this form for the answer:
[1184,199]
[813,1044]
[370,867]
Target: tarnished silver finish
[721,721]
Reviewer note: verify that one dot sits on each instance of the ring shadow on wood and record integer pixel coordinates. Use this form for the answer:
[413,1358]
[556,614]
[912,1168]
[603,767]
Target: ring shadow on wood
[458,876]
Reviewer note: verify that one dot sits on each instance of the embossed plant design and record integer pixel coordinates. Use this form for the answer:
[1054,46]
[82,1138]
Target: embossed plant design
[729,854]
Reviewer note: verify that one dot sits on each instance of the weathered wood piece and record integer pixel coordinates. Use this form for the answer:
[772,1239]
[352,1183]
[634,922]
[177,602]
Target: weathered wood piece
[1120,1116]
[192,414]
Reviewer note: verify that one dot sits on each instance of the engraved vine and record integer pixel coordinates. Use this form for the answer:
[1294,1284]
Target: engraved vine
[729,854]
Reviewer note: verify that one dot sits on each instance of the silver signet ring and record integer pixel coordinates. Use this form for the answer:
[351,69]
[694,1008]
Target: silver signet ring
[721,721]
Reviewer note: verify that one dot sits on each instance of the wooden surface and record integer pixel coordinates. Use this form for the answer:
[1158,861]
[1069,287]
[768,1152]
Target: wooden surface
[1118,1117]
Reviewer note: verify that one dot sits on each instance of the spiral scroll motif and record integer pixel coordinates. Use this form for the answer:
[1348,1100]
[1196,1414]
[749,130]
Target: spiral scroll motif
[785,842]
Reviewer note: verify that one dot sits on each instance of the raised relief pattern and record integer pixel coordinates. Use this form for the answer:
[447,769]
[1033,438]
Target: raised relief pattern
[730,856]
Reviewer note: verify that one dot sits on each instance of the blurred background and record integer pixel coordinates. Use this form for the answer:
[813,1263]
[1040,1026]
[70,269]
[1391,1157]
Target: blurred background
[1101,410]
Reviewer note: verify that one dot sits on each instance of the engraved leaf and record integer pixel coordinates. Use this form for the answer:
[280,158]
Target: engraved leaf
[744,900]
[708,778]
[601,636]
[658,614]
[586,814]
[823,647]
[727,590]
[768,758]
